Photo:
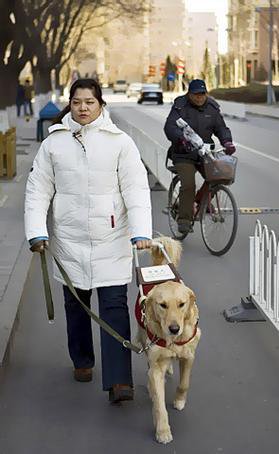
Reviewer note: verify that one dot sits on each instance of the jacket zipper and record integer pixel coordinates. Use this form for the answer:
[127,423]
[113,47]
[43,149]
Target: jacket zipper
[76,136]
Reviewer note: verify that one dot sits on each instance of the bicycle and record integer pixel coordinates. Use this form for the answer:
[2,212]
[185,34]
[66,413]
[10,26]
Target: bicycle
[217,212]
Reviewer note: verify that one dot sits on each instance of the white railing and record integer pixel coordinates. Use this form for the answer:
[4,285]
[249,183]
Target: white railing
[264,274]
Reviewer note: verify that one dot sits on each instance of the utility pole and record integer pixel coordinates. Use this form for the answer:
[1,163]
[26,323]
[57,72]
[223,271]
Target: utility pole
[270,92]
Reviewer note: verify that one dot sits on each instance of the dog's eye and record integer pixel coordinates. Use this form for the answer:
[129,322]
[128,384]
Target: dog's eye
[181,304]
[163,305]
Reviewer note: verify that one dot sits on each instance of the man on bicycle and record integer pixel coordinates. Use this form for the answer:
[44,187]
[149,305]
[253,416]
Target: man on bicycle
[202,113]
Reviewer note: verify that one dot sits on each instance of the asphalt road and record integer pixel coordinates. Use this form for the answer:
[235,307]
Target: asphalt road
[233,400]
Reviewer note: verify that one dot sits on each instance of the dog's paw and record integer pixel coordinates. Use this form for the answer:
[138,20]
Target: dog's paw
[164,436]
[179,404]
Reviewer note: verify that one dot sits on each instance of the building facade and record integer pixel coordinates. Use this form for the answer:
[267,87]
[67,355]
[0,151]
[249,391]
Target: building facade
[201,33]
[248,40]
[123,50]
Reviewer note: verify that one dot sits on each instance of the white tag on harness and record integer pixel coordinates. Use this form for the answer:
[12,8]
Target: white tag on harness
[157,273]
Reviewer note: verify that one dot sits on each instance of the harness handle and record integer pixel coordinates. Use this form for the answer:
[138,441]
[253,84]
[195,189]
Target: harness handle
[154,243]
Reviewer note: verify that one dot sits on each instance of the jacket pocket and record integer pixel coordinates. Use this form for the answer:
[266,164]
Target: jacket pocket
[101,215]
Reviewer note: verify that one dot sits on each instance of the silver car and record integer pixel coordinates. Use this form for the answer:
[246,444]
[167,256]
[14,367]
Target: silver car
[120,86]
[134,89]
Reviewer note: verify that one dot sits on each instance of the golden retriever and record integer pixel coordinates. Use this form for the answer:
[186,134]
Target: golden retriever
[171,315]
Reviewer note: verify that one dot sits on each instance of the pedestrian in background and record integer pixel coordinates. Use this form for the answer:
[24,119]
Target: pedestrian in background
[101,204]
[28,92]
[20,99]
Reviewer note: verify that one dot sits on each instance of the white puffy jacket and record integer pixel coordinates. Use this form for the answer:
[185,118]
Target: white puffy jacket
[101,200]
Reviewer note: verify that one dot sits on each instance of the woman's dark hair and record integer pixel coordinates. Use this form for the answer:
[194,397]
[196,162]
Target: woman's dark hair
[82,83]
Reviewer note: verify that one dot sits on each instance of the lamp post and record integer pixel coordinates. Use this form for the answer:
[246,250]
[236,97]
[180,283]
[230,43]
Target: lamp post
[270,92]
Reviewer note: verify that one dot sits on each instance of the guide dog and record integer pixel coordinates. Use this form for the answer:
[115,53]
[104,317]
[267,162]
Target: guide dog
[169,329]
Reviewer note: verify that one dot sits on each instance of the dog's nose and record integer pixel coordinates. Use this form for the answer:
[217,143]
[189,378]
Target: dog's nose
[174,328]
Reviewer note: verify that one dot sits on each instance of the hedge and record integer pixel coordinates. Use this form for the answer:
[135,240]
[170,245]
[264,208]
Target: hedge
[253,93]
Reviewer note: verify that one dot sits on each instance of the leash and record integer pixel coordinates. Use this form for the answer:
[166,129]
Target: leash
[50,308]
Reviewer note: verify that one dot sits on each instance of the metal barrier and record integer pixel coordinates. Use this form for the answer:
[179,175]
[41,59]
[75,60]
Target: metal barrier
[264,277]
[263,301]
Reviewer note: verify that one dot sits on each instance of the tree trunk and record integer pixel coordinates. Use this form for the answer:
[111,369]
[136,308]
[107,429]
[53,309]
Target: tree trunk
[8,81]
[42,83]
[58,85]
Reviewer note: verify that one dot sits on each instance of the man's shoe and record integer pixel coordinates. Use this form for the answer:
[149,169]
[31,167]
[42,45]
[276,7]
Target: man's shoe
[121,392]
[83,374]
[185,227]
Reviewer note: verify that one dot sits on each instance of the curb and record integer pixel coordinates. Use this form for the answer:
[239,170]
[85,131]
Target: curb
[10,303]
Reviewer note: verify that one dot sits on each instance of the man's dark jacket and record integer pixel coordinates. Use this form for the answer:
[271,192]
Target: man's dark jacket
[205,121]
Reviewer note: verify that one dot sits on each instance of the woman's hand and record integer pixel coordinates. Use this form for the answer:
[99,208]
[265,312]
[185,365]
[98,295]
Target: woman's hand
[143,244]
[39,246]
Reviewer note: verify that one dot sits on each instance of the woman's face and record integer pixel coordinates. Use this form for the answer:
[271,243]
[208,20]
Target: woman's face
[85,108]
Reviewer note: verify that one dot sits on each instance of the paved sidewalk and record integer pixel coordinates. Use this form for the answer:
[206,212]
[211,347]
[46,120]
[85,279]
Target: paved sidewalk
[15,256]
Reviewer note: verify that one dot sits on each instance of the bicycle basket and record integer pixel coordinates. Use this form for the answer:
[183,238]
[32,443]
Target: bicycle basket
[220,168]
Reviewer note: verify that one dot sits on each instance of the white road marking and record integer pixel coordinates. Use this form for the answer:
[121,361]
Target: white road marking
[259,153]
[3,200]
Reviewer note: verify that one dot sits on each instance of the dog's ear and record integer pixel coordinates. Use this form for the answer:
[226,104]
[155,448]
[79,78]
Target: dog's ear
[192,309]
[149,307]
[192,297]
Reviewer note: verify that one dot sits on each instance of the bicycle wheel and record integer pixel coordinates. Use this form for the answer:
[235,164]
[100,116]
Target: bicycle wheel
[173,204]
[219,220]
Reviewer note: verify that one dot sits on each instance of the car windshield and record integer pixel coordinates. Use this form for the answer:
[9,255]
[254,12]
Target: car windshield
[121,81]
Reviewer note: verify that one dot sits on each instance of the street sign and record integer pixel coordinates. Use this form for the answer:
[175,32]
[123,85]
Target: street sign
[171,76]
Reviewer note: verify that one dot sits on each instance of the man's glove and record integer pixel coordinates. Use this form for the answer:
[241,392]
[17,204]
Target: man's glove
[229,148]
[39,246]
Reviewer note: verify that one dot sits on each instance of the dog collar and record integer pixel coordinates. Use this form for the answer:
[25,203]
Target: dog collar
[162,343]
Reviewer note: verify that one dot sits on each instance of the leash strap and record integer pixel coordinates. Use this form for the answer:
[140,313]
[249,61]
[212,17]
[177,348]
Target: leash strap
[49,302]
[48,295]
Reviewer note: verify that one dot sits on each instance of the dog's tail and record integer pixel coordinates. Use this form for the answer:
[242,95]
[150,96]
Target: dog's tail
[172,247]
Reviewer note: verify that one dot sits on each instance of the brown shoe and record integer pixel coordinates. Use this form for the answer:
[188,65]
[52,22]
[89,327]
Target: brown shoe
[121,392]
[83,374]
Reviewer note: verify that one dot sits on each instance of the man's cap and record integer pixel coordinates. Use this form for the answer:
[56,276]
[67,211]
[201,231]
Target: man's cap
[197,86]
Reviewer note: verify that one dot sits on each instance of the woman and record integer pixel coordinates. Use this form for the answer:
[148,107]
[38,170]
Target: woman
[101,203]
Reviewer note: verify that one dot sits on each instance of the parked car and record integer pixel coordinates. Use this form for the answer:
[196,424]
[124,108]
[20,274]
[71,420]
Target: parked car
[134,89]
[120,86]
[151,93]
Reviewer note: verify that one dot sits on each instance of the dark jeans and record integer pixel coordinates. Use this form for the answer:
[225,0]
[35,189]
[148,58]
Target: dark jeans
[29,104]
[116,359]
[18,107]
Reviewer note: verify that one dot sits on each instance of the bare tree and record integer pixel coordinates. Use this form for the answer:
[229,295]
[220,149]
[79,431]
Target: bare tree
[62,35]
[47,33]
